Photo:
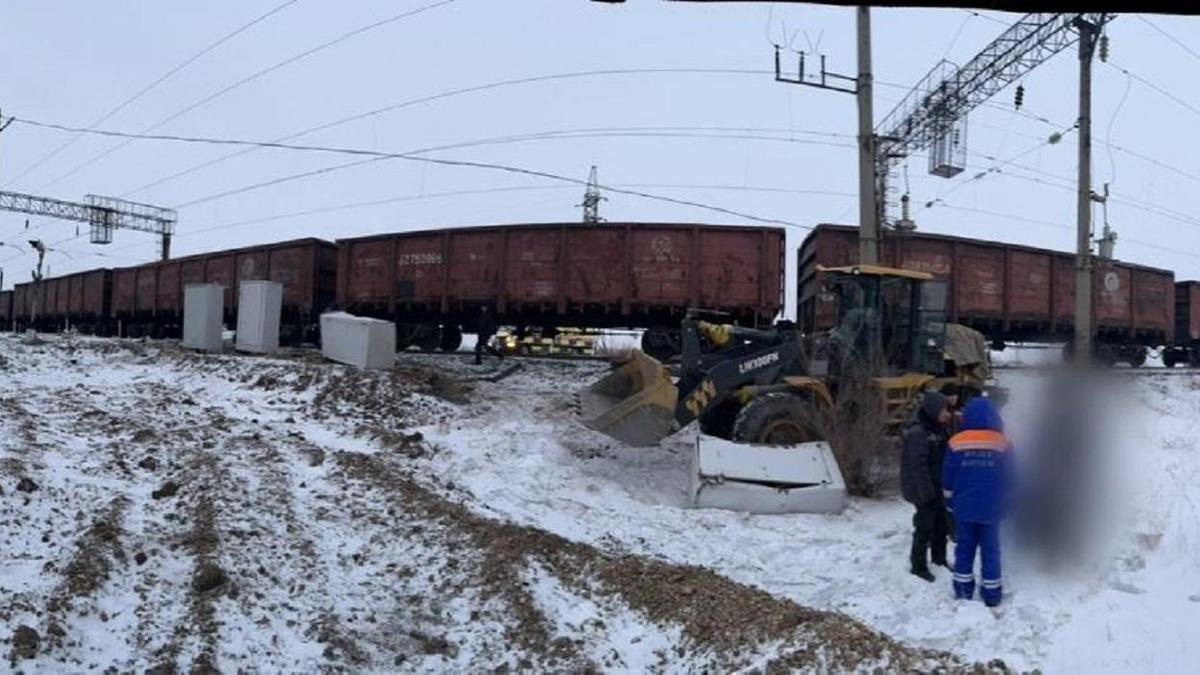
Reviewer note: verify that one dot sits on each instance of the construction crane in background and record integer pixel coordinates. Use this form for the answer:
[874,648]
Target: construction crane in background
[102,214]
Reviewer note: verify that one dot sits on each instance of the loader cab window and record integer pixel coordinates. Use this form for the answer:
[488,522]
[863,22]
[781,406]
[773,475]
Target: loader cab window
[897,321]
[858,317]
[930,335]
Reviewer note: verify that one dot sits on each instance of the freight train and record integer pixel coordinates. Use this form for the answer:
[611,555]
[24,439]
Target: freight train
[433,283]
[626,275]
[1013,293]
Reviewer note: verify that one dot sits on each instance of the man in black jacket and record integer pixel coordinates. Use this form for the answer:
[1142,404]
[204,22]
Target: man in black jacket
[921,481]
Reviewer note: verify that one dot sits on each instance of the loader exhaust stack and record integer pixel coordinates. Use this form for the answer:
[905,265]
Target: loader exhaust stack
[634,404]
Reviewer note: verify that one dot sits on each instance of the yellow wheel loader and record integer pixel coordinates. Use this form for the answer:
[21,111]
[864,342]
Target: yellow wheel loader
[761,395]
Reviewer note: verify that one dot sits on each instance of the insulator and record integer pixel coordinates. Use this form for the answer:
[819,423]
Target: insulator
[1104,48]
[1019,96]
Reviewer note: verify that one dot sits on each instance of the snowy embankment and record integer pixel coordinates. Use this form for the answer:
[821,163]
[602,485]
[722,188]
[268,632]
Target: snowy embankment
[166,511]
[1134,604]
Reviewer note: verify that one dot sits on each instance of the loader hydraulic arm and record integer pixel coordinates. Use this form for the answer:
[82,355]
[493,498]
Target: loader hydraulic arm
[745,356]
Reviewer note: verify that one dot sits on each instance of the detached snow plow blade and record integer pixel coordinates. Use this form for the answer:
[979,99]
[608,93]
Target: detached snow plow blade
[634,404]
[800,478]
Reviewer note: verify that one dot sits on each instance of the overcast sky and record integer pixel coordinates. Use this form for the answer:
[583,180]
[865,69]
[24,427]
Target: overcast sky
[739,140]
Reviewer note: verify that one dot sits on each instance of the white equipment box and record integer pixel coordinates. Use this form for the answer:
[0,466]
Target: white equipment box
[259,306]
[203,307]
[800,478]
[358,341]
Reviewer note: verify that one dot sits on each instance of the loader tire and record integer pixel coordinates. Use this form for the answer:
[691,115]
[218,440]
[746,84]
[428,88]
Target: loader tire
[778,418]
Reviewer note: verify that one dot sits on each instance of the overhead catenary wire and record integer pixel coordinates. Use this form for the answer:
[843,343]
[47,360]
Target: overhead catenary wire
[146,89]
[1112,162]
[250,78]
[995,168]
[1067,185]
[379,156]
[1061,226]
[1172,38]
[489,141]
[479,191]
[367,153]
[443,95]
[1161,90]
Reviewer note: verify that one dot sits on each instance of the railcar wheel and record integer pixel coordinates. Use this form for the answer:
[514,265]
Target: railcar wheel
[659,343]
[1137,357]
[451,338]
[429,337]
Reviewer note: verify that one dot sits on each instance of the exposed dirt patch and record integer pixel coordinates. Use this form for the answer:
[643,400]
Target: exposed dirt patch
[96,553]
[25,642]
[718,616]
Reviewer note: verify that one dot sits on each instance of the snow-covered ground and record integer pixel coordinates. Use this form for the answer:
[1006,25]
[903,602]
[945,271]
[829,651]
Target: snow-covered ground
[283,514]
[525,458]
[162,510]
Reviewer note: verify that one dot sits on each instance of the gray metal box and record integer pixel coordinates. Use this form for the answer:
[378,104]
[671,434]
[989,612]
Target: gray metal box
[203,307]
[358,341]
[259,306]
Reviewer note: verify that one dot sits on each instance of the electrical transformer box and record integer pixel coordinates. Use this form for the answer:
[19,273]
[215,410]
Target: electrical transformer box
[258,314]
[203,305]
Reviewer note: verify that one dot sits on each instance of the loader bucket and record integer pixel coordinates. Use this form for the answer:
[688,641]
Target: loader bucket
[634,404]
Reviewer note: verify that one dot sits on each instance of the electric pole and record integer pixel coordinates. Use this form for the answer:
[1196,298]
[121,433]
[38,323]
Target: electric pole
[869,211]
[1083,253]
[870,205]
[37,279]
[592,199]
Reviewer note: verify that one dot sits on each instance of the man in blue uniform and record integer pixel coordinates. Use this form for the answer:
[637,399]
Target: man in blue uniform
[977,478]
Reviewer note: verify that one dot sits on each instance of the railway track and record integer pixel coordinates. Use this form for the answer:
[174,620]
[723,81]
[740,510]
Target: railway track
[514,357]
[1144,371]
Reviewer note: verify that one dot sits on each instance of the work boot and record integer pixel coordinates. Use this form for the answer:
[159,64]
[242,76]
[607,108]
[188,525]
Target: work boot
[924,573]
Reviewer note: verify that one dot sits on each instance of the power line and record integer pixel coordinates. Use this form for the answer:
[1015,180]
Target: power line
[250,78]
[479,191]
[995,168]
[1112,163]
[146,89]
[1067,185]
[362,152]
[984,16]
[493,141]
[1049,223]
[499,84]
[1170,37]
[1182,103]
[451,193]
[954,40]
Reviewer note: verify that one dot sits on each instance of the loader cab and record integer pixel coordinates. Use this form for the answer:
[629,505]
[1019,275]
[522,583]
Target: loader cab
[890,321]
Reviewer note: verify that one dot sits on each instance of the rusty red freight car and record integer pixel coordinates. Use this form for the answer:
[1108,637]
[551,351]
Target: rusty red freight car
[1006,291]
[78,300]
[645,275]
[148,299]
[1186,346]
